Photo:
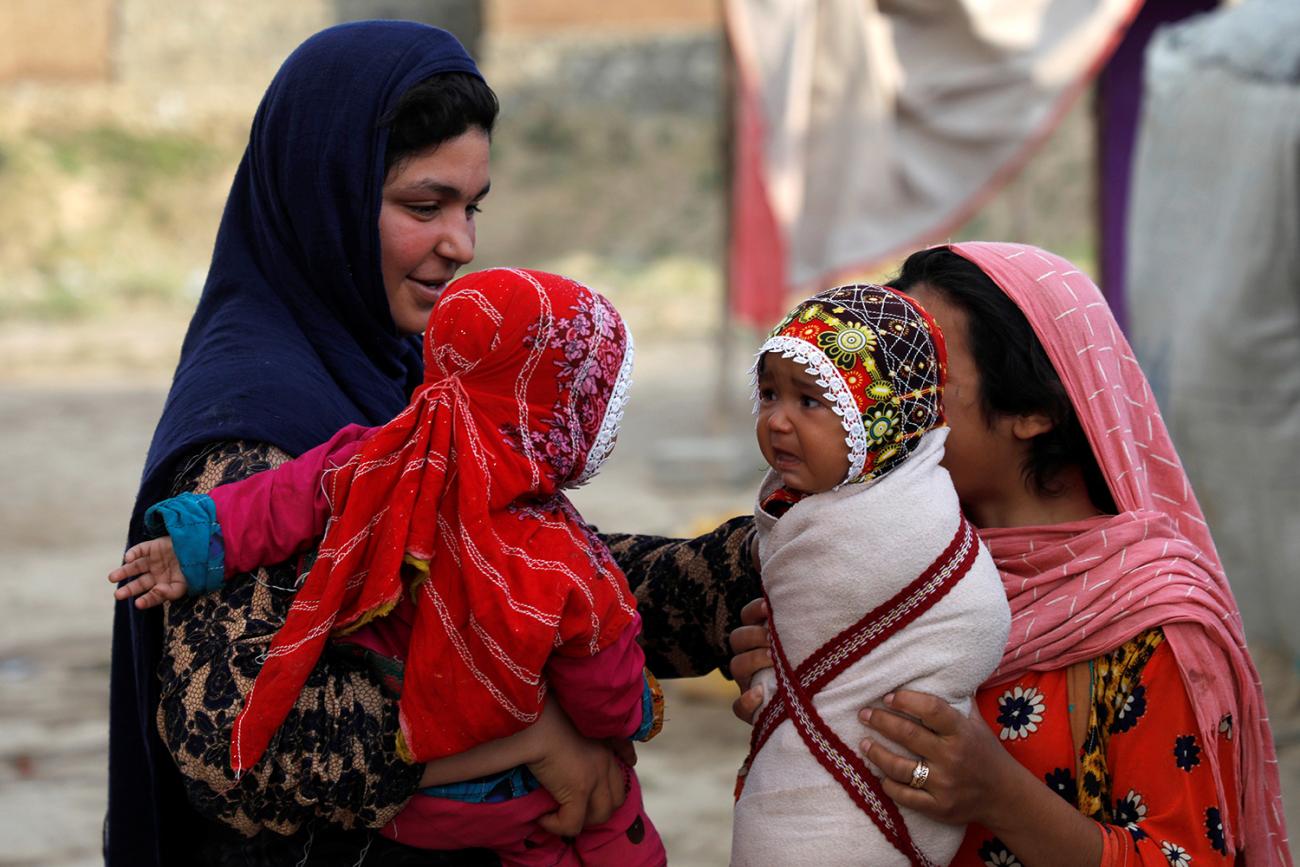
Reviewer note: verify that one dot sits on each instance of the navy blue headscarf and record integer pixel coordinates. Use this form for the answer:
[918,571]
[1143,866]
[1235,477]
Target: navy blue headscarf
[292,340]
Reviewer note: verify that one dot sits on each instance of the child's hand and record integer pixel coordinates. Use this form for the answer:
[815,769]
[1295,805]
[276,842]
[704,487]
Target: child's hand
[160,576]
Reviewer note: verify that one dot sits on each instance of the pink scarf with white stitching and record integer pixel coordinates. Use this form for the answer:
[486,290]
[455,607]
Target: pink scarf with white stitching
[1080,589]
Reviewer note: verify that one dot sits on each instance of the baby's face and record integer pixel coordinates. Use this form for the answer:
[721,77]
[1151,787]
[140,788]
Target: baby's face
[800,435]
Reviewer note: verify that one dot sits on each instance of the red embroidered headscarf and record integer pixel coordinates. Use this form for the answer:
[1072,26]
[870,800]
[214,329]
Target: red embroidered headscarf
[1081,589]
[457,500]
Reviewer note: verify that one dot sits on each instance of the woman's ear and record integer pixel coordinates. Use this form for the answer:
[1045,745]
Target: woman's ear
[1030,425]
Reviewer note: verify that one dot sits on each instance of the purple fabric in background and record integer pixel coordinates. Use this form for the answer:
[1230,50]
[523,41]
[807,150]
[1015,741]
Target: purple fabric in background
[1119,105]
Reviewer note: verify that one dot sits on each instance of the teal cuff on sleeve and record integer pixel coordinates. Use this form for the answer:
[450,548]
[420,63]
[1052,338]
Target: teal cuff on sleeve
[191,521]
[647,713]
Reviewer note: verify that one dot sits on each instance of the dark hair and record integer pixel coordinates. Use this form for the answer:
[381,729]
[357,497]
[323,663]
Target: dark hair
[435,110]
[1016,376]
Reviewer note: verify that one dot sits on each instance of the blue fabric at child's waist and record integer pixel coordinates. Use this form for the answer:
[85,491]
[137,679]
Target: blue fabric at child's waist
[505,786]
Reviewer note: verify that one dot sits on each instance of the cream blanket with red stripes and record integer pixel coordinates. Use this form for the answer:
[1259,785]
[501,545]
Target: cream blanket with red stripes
[828,561]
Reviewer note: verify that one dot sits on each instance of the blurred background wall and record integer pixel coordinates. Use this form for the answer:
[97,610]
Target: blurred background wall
[121,122]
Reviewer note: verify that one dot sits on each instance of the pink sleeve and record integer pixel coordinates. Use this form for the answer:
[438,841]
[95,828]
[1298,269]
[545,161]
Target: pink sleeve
[270,516]
[602,694]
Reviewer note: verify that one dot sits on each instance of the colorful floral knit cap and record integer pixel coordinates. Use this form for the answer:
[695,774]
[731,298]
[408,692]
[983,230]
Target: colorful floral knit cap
[882,361]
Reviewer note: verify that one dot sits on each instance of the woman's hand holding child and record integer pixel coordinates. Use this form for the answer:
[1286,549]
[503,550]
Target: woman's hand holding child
[967,763]
[972,778]
[749,643]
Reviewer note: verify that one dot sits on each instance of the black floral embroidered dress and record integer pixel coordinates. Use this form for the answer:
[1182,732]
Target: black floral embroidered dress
[332,760]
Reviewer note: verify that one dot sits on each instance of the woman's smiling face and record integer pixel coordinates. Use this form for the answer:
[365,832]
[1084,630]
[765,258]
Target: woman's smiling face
[426,224]
[800,435]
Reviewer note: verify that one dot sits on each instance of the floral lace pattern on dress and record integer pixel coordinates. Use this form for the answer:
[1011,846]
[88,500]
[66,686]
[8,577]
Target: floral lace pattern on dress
[594,375]
[334,759]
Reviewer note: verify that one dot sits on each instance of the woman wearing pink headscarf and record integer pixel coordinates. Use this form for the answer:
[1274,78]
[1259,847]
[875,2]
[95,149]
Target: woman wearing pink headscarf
[1126,688]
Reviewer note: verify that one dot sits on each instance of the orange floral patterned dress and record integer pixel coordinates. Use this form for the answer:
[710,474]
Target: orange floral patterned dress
[1142,772]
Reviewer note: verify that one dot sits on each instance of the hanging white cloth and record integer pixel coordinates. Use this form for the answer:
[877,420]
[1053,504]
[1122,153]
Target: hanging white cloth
[883,123]
[1214,287]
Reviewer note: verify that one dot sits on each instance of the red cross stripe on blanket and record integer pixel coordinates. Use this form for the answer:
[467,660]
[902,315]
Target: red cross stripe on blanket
[796,688]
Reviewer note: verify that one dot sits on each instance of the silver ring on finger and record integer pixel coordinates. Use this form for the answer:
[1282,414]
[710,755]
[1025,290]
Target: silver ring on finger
[920,774]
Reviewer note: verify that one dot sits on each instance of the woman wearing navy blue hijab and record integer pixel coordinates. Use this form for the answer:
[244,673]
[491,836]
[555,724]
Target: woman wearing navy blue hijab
[353,206]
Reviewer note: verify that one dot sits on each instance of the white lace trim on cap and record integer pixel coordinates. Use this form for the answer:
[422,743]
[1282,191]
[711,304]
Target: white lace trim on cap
[837,392]
[609,425]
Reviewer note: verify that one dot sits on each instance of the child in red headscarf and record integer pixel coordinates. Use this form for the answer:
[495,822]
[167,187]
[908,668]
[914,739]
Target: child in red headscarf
[450,547]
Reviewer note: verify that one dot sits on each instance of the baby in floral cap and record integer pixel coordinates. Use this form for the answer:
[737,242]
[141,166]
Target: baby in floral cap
[873,578]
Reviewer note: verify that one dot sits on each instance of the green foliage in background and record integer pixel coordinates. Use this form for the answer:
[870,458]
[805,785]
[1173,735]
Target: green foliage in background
[104,219]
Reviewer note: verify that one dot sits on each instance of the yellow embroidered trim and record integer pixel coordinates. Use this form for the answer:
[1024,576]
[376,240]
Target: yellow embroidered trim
[421,568]
[404,751]
[1115,674]
[379,610]
[657,705]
